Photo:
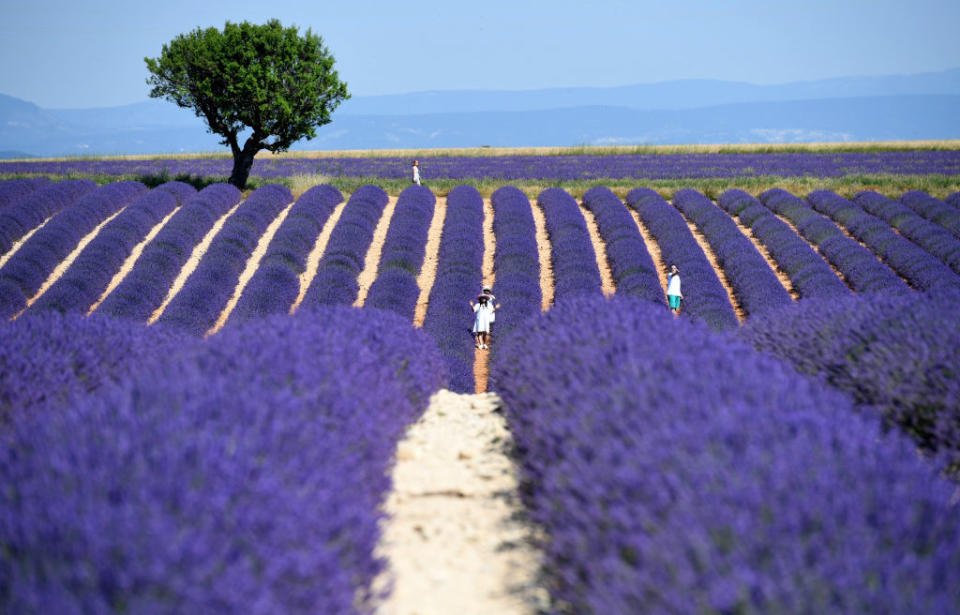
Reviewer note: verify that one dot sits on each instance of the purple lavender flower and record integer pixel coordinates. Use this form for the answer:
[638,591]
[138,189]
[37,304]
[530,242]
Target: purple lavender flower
[934,210]
[572,256]
[25,214]
[13,190]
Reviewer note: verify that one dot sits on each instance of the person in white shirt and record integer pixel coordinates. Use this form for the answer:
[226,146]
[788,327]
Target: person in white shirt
[674,296]
[483,311]
[416,172]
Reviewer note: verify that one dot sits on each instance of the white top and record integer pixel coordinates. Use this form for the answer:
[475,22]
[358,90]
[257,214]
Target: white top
[482,318]
[416,174]
[673,285]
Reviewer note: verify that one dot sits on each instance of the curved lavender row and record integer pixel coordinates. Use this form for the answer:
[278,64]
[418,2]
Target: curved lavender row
[29,212]
[894,354]
[933,209]
[715,480]
[13,190]
[922,270]
[930,236]
[516,261]
[276,284]
[343,260]
[206,292]
[24,274]
[90,274]
[631,265]
[810,275]
[459,275]
[756,286]
[143,290]
[244,475]
[953,199]
[859,266]
[572,256]
[403,252]
[704,295]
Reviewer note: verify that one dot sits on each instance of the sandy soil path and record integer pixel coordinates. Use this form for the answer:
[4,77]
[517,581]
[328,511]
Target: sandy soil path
[251,267]
[128,264]
[428,272]
[543,250]
[481,361]
[455,539]
[62,267]
[607,284]
[316,253]
[372,261]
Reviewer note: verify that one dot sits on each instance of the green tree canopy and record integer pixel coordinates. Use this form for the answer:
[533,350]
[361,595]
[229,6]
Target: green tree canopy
[265,78]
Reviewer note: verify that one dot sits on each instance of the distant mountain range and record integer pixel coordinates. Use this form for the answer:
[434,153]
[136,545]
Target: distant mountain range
[922,106]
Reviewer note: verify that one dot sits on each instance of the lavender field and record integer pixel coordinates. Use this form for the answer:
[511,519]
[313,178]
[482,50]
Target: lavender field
[202,391]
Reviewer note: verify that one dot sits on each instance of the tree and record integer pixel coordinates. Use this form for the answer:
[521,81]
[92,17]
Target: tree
[263,78]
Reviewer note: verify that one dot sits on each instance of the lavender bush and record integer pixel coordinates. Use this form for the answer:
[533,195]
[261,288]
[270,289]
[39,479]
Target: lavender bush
[343,260]
[243,476]
[933,209]
[90,274]
[953,199]
[276,284]
[27,213]
[13,190]
[810,275]
[860,267]
[404,249]
[893,354]
[459,276]
[573,259]
[143,290]
[755,285]
[931,237]
[23,275]
[918,267]
[206,292]
[516,261]
[704,295]
[713,479]
[631,265]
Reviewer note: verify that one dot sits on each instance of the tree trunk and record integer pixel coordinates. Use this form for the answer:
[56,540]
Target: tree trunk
[242,162]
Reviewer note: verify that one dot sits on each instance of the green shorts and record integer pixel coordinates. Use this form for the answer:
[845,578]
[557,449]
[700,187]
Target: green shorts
[674,301]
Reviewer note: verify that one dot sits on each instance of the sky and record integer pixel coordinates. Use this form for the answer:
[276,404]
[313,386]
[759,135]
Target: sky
[90,53]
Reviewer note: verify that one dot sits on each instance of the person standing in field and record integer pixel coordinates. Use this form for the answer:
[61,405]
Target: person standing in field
[674,295]
[416,172]
[482,313]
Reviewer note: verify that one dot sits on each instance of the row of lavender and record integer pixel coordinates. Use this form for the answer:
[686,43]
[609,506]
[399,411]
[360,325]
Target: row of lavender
[565,167]
[717,479]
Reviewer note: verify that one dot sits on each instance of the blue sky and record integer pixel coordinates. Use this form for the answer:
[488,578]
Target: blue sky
[86,53]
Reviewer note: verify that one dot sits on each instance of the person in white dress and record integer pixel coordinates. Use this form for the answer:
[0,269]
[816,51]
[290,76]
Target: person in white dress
[482,314]
[416,172]
[674,295]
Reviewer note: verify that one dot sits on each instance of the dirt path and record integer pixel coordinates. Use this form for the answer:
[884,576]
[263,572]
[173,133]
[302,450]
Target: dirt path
[481,361]
[428,272]
[455,539]
[128,264]
[372,261]
[316,253]
[62,267]
[607,284]
[251,267]
[653,248]
[198,251]
[543,251]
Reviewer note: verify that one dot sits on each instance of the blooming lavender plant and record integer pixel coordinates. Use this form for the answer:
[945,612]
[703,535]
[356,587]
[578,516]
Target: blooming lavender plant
[933,209]
[918,267]
[25,214]
[206,292]
[404,249]
[343,260]
[810,275]
[713,479]
[143,290]
[572,255]
[860,267]
[516,261]
[23,275]
[90,274]
[13,190]
[631,265]
[245,475]
[704,295]
[953,199]
[755,285]
[276,284]
[459,275]
[895,354]
[931,237]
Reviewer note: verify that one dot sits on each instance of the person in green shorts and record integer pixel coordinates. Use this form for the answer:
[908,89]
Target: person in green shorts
[674,296]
